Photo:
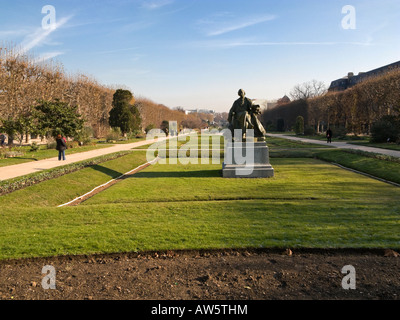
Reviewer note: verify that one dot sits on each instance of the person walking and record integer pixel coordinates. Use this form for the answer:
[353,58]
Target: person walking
[2,139]
[329,135]
[61,147]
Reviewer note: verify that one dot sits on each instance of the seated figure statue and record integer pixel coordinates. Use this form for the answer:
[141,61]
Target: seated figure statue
[244,115]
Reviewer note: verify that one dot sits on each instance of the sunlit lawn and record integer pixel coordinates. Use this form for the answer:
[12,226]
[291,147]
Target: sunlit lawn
[66,188]
[390,146]
[308,203]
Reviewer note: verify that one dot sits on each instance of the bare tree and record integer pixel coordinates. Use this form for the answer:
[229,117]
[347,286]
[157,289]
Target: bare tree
[308,90]
[24,82]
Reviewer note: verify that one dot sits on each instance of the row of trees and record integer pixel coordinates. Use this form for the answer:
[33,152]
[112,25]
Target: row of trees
[26,84]
[359,107]
[153,115]
[283,117]
[47,119]
[354,110]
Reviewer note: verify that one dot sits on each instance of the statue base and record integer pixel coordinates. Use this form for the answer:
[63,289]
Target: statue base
[244,160]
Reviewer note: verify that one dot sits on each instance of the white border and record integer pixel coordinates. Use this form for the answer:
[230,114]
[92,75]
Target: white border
[107,183]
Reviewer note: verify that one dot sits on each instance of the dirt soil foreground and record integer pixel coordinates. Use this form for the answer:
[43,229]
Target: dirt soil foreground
[207,275]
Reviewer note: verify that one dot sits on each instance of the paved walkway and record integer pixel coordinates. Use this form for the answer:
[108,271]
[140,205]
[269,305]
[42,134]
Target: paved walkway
[341,145]
[22,169]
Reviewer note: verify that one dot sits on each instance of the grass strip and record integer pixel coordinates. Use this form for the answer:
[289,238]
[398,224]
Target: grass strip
[310,204]
[387,146]
[58,187]
[15,184]
[364,162]
[297,179]
[373,155]
[197,225]
[274,142]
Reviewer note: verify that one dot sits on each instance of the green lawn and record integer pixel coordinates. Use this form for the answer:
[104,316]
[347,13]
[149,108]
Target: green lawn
[290,144]
[133,140]
[390,146]
[204,141]
[166,143]
[360,141]
[295,179]
[66,188]
[379,168]
[366,162]
[309,203]
[198,225]
[322,137]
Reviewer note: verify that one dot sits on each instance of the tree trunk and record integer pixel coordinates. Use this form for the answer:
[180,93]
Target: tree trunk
[10,140]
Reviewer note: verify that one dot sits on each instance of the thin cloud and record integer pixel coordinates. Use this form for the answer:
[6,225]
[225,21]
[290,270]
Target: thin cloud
[216,28]
[92,22]
[47,56]
[325,43]
[154,5]
[40,35]
[239,43]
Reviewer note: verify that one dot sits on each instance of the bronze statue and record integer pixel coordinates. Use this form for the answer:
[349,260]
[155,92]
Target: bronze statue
[244,115]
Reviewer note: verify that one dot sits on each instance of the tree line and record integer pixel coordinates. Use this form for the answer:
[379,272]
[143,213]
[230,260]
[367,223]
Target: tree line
[354,110]
[26,84]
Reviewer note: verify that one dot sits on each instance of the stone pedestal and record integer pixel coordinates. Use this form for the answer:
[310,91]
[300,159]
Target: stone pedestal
[244,160]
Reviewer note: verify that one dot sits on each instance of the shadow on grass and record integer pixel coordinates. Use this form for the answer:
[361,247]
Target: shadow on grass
[179,174]
[22,158]
[111,173]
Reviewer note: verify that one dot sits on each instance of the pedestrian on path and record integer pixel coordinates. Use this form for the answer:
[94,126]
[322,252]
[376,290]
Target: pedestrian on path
[61,147]
[2,139]
[329,134]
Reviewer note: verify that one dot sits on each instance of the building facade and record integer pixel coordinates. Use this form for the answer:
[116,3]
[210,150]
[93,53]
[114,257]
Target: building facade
[351,80]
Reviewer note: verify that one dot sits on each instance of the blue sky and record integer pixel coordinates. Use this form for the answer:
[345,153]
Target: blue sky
[198,53]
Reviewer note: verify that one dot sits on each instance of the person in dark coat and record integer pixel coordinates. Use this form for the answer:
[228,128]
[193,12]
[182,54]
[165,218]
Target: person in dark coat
[2,139]
[329,135]
[61,147]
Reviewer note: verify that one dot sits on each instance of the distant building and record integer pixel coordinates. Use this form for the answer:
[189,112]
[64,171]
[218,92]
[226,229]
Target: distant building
[284,100]
[205,111]
[265,104]
[351,80]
